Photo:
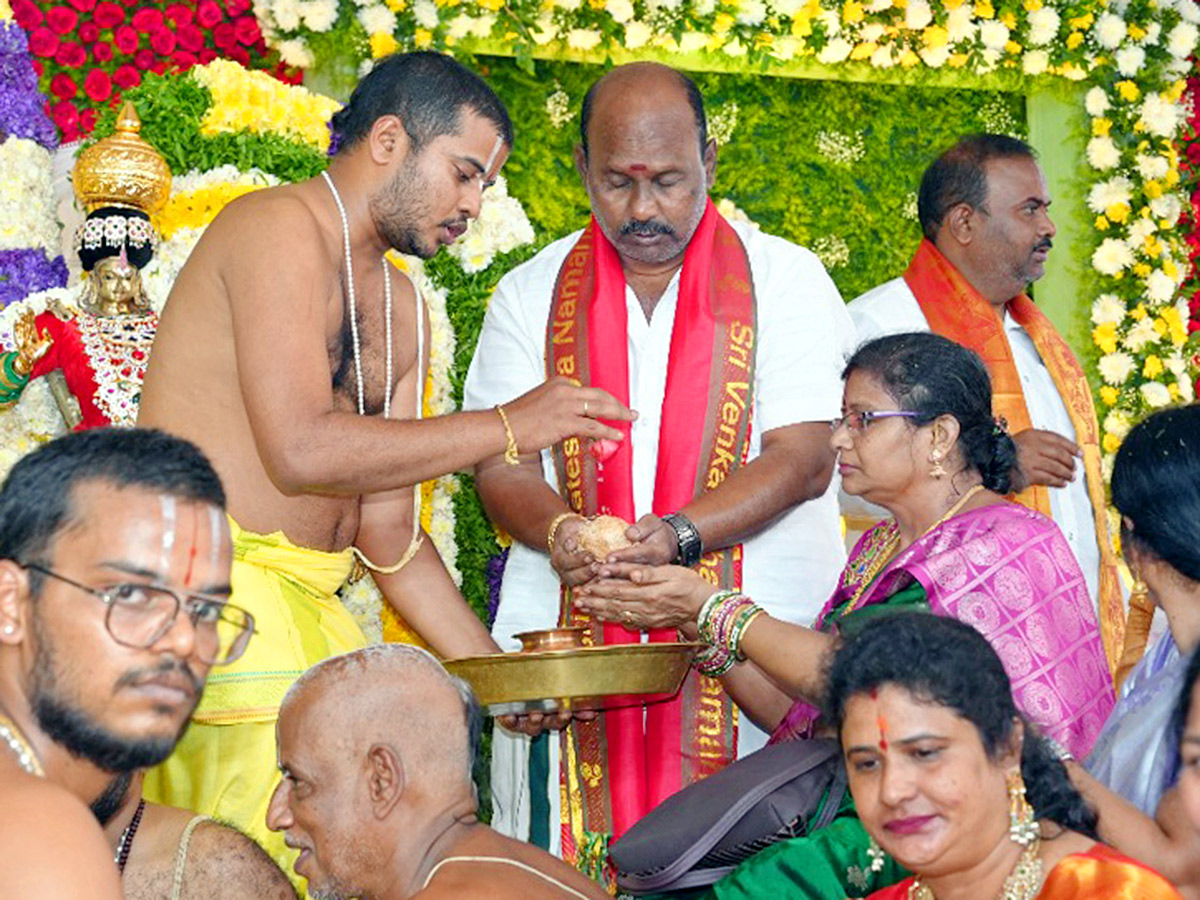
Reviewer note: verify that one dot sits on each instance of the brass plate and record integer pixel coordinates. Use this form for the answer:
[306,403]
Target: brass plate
[578,679]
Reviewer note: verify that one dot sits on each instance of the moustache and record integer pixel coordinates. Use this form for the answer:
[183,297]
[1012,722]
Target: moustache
[648,228]
[167,667]
[1043,244]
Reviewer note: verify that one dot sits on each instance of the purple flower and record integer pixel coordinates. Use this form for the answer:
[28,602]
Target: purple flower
[495,574]
[24,272]
[22,107]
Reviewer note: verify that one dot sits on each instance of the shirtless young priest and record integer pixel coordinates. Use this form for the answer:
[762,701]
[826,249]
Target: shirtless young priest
[293,353]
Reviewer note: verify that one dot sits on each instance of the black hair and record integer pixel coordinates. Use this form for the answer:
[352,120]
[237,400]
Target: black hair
[36,499]
[1156,487]
[932,375]
[694,97]
[943,661]
[428,91]
[1184,704]
[958,176]
[138,253]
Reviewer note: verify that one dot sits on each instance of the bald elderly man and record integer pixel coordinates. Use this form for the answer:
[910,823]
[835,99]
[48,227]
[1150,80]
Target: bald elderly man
[375,749]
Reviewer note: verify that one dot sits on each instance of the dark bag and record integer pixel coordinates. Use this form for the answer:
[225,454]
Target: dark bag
[699,835]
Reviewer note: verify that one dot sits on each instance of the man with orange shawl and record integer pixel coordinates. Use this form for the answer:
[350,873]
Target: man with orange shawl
[729,344]
[984,210]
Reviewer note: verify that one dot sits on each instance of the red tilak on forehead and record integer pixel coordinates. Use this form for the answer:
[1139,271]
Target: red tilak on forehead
[882,723]
[187,578]
[637,167]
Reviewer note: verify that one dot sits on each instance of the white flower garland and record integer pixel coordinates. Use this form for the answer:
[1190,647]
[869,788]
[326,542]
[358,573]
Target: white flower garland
[27,219]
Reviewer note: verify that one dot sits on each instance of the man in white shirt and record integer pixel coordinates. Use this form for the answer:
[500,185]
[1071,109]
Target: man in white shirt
[728,342]
[984,210]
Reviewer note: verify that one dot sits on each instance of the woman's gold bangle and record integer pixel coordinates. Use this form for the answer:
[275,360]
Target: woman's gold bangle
[511,454]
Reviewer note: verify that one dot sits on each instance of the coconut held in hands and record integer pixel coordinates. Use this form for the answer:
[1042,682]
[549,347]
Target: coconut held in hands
[602,535]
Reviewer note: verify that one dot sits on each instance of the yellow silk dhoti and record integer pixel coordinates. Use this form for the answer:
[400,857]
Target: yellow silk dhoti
[225,765]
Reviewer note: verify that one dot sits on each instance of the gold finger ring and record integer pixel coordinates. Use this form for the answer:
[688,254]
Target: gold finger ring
[585,412]
[628,617]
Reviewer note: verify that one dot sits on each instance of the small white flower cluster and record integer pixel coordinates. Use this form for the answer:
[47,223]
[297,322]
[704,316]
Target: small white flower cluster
[997,118]
[722,122]
[502,226]
[832,250]
[910,210]
[558,108]
[734,213]
[841,149]
[27,218]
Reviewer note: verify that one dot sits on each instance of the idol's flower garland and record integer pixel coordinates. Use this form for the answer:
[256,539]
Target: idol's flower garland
[29,254]
[22,106]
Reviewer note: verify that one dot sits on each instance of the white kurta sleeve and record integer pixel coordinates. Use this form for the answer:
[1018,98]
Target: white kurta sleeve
[509,360]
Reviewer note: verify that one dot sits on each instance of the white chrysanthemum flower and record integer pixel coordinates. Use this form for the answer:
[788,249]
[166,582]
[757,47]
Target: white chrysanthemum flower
[993,34]
[637,34]
[426,14]
[318,15]
[1109,30]
[1160,116]
[1176,364]
[704,8]
[1168,207]
[1160,287]
[1139,231]
[1043,26]
[835,51]
[935,57]
[501,226]
[1141,334]
[1155,394]
[287,14]
[583,38]
[1035,62]
[917,14]
[692,42]
[1109,193]
[751,12]
[295,52]
[787,8]
[871,32]
[1096,102]
[481,26]
[1115,368]
[377,18]
[1153,33]
[1189,12]
[1108,309]
[1151,167]
[1102,153]
[544,30]
[1187,392]
[620,10]
[734,47]
[876,6]
[734,213]
[459,27]
[960,24]
[1112,256]
[1181,40]
[884,57]
[1118,423]
[1130,60]
[831,20]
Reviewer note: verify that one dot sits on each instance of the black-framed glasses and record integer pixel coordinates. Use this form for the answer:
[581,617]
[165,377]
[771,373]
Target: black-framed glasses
[857,421]
[139,615]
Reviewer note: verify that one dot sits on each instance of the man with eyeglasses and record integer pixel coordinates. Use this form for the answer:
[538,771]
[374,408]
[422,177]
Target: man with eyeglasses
[984,206]
[114,587]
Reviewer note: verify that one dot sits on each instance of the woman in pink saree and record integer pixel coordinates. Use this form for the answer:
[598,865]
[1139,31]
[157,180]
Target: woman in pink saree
[917,437]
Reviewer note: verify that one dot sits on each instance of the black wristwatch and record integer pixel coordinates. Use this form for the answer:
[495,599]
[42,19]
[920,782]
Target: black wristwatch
[691,548]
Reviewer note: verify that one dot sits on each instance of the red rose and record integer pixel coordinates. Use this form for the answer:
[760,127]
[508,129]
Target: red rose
[224,37]
[63,86]
[143,59]
[183,60]
[147,20]
[66,117]
[87,121]
[237,7]
[97,85]
[131,3]
[43,42]
[102,52]
[27,14]
[246,30]
[61,19]
[179,14]
[206,55]
[163,42]
[240,54]
[208,13]
[126,77]
[189,37]
[82,5]
[108,15]
[70,55]
[126,39]
[89,32]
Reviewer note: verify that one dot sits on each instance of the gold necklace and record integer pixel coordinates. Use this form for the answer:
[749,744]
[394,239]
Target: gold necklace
[1022,883]
[883,545]
[26,757]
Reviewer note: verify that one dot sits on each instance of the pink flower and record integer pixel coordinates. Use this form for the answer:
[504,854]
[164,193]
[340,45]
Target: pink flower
[102,52]
[126,77]
[70,55]
[189,37]
[61,19]
[97,85]
[63,86]
[208,13]
[148,20]
[43,42]
[246,30]
[126,39]
[89,32]
[27,14]
[108,15]
[144,58]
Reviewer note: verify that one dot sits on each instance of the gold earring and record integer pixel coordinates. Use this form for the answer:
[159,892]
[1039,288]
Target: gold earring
[1022,826]
[936,471]
[1139,592]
